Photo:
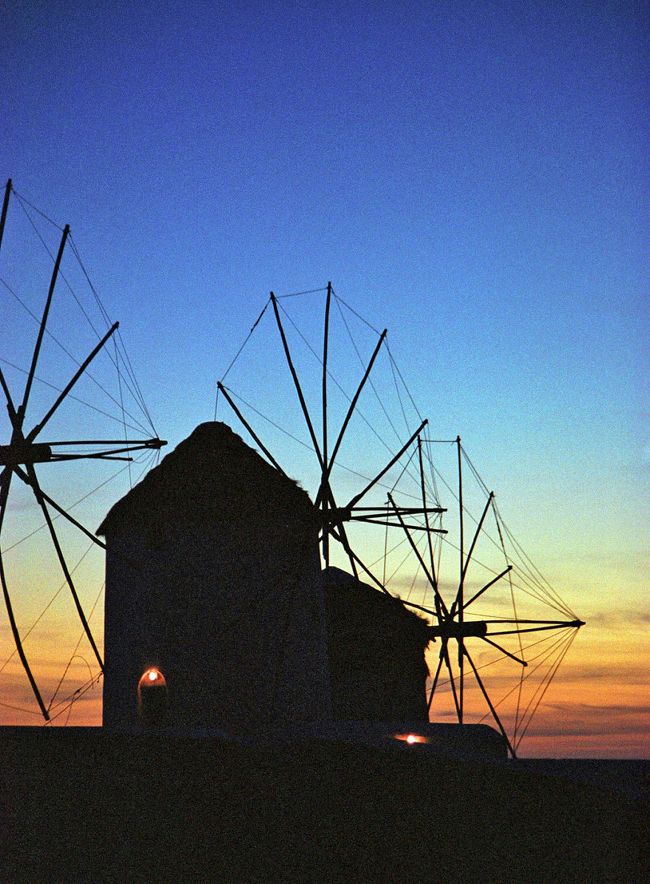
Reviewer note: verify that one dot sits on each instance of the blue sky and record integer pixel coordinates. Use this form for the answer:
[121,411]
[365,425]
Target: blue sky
[471,175]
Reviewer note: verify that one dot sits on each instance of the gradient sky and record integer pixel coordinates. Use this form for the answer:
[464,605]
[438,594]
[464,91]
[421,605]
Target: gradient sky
[471,175]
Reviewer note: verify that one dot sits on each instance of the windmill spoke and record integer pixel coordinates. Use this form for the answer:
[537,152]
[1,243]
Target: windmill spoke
[41,331]
[490,704]
[110,453]
[326,467]
[477,534]
[423,492]
[84,365]
[248,427]
[346,546]
[296,383]
[560,625]
[59,552]
[351,553]
[353,405]
[378,520]
[5,482]
[11,408]
[327,529]
[145,443]
[458,604]
[485,588]
[5,206]
[434,683]
[355,500]
[66,515]
[503,651]
[440,603]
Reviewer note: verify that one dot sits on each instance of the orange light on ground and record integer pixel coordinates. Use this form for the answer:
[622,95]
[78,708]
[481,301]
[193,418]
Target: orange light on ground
[411,739]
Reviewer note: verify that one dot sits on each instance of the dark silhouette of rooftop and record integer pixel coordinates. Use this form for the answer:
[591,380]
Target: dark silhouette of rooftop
[208,475]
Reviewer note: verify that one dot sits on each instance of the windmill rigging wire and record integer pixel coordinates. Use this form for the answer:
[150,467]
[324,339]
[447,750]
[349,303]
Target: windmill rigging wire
[338,385]
[536,588]
[83,402]
[370,381]
[74,653]
[36,209]
[56,516]
[46,608]
[136,392]
[238,354]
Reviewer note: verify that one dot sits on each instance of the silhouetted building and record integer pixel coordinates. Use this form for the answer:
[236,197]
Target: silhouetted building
[213,581]
[376,653]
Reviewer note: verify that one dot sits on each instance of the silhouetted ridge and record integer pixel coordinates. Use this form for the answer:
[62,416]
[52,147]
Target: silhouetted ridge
[209,474]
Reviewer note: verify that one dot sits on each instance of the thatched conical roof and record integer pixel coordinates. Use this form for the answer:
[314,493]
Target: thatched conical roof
[212,475]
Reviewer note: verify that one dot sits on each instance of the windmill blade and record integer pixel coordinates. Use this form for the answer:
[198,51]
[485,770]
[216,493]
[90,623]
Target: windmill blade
[355,500]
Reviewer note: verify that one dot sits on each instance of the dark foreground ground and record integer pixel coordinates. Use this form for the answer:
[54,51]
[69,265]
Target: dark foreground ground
[80,805]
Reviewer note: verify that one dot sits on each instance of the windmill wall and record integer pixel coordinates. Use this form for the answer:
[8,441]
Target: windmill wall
[213,576]
[376,653]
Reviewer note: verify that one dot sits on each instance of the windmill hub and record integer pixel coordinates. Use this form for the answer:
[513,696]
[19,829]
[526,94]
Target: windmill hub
[458,630]
[22,452]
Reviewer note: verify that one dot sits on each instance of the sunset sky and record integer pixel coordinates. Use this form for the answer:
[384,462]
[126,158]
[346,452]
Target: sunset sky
[471,175]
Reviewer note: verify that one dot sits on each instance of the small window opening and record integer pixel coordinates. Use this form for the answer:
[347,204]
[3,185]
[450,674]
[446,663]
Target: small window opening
[152,698]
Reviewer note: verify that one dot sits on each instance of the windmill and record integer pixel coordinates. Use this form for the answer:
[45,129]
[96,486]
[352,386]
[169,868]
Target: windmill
[29,447]
[408,479]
